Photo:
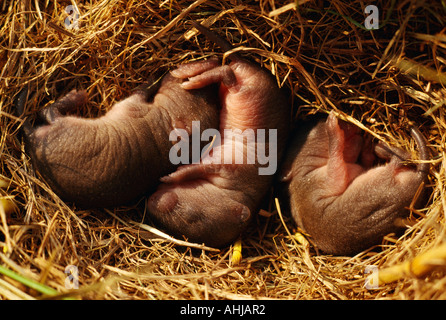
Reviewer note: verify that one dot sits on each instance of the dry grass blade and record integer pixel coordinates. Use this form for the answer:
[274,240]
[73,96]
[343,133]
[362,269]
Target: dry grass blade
[172,239]
[381,80]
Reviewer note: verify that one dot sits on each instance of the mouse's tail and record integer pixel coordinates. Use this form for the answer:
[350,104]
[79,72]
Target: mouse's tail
[212,36]
[423,166]
[20,103]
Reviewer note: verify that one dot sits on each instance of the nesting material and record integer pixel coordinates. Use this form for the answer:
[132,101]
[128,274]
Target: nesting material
[381,80]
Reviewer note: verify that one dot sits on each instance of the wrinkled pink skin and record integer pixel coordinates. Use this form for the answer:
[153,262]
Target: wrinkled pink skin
[120,156]
[213,203]
[338,195]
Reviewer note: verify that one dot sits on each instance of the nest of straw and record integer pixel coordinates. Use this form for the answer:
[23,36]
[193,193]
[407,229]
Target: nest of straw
[382,80]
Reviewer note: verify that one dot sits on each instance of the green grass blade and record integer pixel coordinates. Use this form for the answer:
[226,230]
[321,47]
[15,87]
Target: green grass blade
[28,282]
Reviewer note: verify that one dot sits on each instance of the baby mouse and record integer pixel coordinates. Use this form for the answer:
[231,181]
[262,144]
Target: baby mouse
[114,159]
[337,193]
[214,200]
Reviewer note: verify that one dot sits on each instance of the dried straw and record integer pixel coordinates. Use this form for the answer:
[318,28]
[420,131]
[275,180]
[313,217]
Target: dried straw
[382,80]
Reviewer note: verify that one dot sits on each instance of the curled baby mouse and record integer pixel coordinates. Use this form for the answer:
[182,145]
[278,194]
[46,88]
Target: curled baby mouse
[114,159]
[214,200]
[337,193]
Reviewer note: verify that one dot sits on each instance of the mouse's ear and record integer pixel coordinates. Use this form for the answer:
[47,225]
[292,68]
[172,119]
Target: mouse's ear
[286,170]
[162,202]
[69,103]
[149,89]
